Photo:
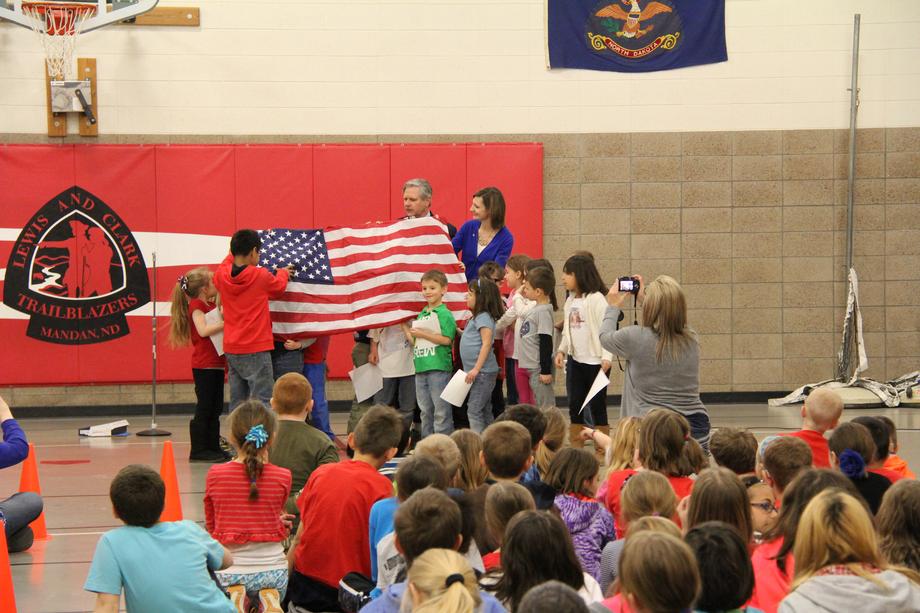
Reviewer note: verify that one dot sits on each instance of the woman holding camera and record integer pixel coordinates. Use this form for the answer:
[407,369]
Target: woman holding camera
[662,355]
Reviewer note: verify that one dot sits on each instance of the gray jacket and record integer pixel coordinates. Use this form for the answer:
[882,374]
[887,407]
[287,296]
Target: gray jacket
[837,593]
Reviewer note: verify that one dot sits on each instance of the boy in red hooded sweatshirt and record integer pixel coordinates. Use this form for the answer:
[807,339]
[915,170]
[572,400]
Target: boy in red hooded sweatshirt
[245,289]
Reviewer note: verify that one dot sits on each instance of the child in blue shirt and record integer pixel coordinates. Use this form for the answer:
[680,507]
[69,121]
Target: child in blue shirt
[485,301]
[161,566]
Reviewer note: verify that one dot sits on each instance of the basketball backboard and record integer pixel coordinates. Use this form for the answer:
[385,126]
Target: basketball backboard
[106,12]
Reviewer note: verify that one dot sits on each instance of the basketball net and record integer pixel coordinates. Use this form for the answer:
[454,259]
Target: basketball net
[58,24]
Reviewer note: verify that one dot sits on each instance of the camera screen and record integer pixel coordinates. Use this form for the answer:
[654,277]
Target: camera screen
[627,285]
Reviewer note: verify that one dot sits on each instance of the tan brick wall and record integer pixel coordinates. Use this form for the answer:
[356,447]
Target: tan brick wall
[751,223]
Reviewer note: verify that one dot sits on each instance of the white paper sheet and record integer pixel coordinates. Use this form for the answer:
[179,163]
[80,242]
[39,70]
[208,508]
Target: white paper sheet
[457,389]
[601,381]
[367,379]
[430,324]
[212,317]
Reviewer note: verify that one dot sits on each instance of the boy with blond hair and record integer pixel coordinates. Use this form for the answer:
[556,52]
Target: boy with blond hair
[820,413]
[298,446]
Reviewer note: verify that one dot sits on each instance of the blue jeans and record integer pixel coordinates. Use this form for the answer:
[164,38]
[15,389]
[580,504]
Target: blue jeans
[250,376]
[316,375]
[401,389]
[700,428]
[479,401]
[18,511]
[436,412]
[285,361]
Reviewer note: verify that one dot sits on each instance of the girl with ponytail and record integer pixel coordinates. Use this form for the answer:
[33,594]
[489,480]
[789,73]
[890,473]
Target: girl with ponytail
[441,580]
[243,505]
[193,296]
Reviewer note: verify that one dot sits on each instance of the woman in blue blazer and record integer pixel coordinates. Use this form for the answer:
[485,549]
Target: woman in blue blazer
[484,237]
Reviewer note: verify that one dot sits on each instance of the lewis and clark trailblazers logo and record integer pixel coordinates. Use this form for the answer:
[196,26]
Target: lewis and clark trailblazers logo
[76,269]
[634,30]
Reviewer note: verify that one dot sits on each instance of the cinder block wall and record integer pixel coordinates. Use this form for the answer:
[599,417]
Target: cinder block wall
[751,223]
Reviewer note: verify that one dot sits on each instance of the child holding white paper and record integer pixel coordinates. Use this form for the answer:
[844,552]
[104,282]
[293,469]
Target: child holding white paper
[392,352]
[584,311]
[485,301]
[193,297]
[432,334]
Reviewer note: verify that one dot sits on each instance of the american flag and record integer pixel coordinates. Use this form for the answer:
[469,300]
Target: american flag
[368,276]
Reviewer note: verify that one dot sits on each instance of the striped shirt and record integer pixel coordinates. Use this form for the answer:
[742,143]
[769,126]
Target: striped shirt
[231,518]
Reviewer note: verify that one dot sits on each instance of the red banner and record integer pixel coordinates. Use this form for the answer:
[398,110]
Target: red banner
[183,203]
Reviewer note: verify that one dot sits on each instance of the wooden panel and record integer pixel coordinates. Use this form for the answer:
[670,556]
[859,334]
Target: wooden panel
[86,69]
[189,16]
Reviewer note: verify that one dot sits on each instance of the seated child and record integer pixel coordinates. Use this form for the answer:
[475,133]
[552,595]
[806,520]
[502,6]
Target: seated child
[724,562]
[534,420]
[852,449]
[783,459]
[503,501]
[444,450]
[820,413]
[297,446]
[442,581]
[899,524]
[574,475]
[554,438]
[894,463]
[161,566]
[719,495]
[416,473]
[734,449]
[427,520]
[763,506]
[882,440]
[243,503]
[645,494]
[343,492]
[507,454]
[658,572]
[553,597]
[472,472]
[537,548]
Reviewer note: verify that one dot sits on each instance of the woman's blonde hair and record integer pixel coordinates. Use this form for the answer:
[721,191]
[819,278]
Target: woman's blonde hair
[647,493]
[664,310]
[836,529]
[554,438]
[188,286]
[472,473]
[650,523]
[623,444]
[444,580]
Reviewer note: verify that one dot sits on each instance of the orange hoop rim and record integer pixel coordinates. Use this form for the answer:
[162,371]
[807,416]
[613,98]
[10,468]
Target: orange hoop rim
[41,8]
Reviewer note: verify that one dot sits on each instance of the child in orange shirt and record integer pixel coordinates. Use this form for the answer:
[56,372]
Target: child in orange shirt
[893,462]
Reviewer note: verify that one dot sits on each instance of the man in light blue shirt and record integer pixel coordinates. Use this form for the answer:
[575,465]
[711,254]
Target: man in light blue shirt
[161,566]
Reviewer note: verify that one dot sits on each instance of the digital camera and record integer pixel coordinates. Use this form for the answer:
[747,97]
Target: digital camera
[628,284]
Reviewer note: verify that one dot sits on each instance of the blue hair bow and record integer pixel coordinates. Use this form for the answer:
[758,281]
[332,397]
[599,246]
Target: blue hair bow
[257,436]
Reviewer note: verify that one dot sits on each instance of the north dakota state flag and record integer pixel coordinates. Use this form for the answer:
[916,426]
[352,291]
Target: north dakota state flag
[635,35]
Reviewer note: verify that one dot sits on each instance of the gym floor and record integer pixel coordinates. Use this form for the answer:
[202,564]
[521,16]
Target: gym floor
[75,473]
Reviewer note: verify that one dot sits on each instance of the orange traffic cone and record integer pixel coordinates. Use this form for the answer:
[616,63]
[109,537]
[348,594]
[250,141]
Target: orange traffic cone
[7,597]
[28,482]
[172,509]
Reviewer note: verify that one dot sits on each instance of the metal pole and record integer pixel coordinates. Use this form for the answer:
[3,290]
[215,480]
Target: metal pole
[854,105]
[153,430]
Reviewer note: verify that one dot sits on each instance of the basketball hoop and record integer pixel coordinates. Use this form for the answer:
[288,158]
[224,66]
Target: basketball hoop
[58,24]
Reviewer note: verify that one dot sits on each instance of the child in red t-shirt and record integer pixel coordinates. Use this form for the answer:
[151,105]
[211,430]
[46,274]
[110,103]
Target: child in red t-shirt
[245,289]
[333,537]
[192,298]
[820,413]
[243,507]
[662,438]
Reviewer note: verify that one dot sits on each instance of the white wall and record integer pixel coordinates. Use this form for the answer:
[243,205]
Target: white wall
[468,66]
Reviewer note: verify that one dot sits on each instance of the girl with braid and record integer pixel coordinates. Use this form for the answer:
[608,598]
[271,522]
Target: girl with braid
[244,505]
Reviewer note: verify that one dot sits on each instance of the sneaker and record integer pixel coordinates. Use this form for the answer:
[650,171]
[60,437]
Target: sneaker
[237,598]
[209,456]
[270,600]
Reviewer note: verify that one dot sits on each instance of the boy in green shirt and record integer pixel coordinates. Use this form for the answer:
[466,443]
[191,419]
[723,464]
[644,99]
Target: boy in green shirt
[432,335]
